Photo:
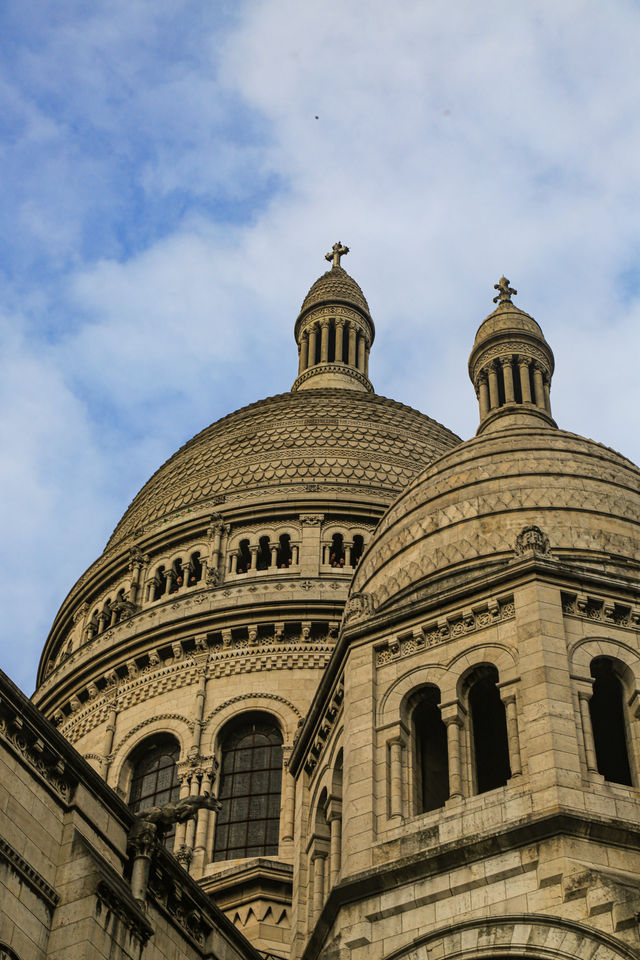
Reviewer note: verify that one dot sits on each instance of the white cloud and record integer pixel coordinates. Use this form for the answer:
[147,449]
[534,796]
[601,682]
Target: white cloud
[453,142]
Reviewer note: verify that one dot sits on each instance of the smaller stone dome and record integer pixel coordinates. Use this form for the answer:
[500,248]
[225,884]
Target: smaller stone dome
[335,286]
[509,319]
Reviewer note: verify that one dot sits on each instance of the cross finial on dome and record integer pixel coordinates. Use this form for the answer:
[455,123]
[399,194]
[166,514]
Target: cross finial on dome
[337,251]
[505,292]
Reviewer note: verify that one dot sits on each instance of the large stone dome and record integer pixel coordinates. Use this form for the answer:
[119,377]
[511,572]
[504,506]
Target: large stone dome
[340,439]
[460,518]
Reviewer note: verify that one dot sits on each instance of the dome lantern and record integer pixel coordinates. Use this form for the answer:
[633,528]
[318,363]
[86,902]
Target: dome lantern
[511,365]
[334,331]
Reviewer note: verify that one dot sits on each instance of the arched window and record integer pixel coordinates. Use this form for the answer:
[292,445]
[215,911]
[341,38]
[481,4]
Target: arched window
[244,557]
[154,779]
[194,570]
[336,553]
[489,726]
[284,555]
[263,560]
[431,752]
[357,549]
[608,721]
[248,823]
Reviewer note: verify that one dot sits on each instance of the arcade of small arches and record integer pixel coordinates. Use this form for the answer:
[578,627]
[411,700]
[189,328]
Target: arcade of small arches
[334,340]
[515,378]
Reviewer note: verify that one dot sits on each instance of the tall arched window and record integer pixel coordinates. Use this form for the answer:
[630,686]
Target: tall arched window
[489,725]
[248,823]
[154,780]
[431,752]
[608,722]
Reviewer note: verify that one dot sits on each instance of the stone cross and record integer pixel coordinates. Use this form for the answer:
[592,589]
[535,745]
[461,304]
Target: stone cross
[505,292]
[337,251]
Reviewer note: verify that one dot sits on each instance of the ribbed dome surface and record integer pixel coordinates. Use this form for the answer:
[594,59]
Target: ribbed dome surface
[460,517]
[335,286]
[329,436]
[507,318]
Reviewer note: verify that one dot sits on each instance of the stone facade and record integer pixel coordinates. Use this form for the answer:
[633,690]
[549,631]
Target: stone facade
[440,638]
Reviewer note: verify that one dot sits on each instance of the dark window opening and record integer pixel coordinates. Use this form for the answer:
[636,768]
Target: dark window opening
[345,343]
[532,383]
[155,777]
[284,556]
[332,341]
[489,724]
[317,352]
[500,376]
[607,719]
[517,386]
[248,822]
[357,549]
[176,577]
[244,557]
[336,551]
[432,754]
[194,570]
[263,560]
[160,583]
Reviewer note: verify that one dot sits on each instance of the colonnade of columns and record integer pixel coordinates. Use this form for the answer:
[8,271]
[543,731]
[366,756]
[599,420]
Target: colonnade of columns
[325,861]
[506,369]
[454,718]
[254,549]
[349,340]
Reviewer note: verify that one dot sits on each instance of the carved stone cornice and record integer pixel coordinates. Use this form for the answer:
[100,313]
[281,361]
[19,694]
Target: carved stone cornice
[325,726]
[342,368]
[31,877]
[47,762]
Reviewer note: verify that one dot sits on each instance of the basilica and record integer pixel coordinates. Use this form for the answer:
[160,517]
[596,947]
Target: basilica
[344,686]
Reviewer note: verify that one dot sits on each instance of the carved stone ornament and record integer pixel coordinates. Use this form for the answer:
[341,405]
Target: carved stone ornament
[311,519]
[359,606]
[213,577]
[532,540]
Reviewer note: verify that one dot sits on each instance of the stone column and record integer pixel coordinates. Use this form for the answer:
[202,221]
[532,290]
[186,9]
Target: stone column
[538,386]
[202,828]
[494,396]
[324,341]
[361,348]
[511,711]
[312,345]
[194,791]
[318,882]
[295,554]
[547,399]
[352,345]
[304,351]
[587,731]
[334,816]
[288,802]
[395,778]
[525,383]
[234,562]
[254,556]
[507,370]
[453,724]
[339,340]
[135,566]
[366,358]
[274,554]
[109,734]
[185,781]
[347,554]
[483,394]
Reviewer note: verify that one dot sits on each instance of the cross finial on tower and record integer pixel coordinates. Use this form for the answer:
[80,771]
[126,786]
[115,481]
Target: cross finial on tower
[337,251]
[505,292]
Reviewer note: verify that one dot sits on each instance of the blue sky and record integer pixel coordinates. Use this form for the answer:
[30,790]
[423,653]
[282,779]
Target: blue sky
[174,172]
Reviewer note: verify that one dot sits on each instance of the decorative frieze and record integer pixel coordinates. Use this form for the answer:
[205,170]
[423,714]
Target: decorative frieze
[604,610]
[447,628]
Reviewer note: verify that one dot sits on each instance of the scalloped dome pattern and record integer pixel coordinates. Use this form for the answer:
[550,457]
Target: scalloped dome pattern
[326,436]
[335,286]
[463,513]
[507,318]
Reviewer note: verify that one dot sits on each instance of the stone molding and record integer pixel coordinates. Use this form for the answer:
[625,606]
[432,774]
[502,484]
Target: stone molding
[47,762]
[521,347]
[249,696]
[326,724]
[31,877]
[447,628]
[127,912]
[323,368]
[518,935]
